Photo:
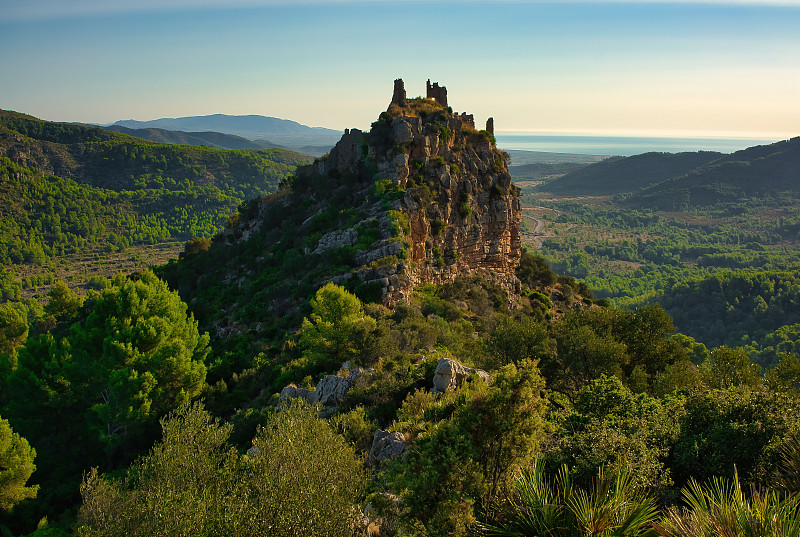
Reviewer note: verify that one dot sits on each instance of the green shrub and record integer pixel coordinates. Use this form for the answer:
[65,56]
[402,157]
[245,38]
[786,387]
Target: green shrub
[381,187]
[401,221]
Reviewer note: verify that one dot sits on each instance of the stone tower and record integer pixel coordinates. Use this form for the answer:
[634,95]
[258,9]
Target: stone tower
[399,97]
[490,126]
[437,92]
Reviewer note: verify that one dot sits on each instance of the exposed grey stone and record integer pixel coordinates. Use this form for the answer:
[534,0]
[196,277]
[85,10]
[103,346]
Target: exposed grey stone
[337,239]
[386,446]
[402,131]
[292,392]
[451,373]
[332,389]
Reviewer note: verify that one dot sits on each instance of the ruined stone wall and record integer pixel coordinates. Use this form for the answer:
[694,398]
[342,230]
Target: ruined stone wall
[437,92]
[467,119]
[399,96]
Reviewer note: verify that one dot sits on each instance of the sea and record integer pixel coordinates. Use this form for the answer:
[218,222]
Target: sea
[620,145]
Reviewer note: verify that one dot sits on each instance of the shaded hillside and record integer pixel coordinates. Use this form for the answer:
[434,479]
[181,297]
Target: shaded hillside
[629,174]
[216,140]
[283,132]
[119,162]
[424,197]
[761,171]
[539,170]
[71,188]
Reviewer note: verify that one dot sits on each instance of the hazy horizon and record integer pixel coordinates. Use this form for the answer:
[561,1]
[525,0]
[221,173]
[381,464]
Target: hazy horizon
[637,67]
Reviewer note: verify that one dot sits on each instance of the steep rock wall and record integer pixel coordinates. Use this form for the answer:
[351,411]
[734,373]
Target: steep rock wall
[450,181]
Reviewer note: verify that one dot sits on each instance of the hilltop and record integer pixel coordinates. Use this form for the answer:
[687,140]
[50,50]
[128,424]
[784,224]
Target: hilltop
[756,172]
[423,197]
[75,189]
[668,181]
[259,129]
[216,140]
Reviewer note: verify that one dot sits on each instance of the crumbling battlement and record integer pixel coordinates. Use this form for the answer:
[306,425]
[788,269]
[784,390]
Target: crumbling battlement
[437,92]
[469,119]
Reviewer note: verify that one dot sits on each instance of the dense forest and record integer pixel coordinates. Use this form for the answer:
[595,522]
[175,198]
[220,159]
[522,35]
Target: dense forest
[723,262]
[572,392]
[71,188]
[239,389]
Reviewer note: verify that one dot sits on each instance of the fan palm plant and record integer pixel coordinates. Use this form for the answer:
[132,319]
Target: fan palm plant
[787,475]
[720,509]
[612,507]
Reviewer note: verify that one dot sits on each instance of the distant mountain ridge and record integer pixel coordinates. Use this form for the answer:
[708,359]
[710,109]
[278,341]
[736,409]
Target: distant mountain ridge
[217,140]
[628,174]
[676,181]
[259,129]
[759,171]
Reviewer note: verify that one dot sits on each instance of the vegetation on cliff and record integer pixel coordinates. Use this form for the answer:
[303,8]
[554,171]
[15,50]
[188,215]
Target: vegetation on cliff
[70,189]
[376,352]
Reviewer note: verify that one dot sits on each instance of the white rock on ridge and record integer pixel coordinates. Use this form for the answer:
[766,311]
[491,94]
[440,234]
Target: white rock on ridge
[402,131]
[451,373]
[336,239]
[293,392]
[332,389]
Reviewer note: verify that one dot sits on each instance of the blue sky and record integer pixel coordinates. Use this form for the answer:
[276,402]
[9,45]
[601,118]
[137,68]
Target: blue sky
[606,67]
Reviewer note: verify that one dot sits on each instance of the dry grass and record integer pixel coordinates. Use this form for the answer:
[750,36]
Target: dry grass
[76,269]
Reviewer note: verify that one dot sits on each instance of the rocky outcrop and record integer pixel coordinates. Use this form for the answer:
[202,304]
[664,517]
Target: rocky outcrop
[386,446]
[330,391]
[449,181]
[450,374]
[292,391]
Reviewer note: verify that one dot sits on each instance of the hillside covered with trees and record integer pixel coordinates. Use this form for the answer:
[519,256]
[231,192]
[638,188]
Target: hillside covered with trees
[721,262]
[347,359]
[71,188]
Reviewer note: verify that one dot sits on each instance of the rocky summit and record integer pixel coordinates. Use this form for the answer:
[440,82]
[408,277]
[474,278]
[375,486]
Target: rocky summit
[423,197]
[450,192]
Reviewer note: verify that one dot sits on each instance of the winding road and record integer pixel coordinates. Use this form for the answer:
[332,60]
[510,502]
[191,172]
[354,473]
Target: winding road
[536,235]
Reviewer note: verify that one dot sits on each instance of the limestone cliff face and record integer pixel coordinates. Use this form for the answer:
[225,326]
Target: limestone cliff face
[448,180]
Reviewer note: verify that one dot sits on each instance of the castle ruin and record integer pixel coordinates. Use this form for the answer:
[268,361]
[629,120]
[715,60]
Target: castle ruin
[439,94]
[436,92]
[399,96]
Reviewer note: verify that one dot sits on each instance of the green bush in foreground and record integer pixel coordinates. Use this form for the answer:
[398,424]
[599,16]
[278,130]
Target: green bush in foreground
[302,479]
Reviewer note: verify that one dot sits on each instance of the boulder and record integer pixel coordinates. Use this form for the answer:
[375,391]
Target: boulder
[292,392]
[385,446]
[401,130]
[332,389]
[451,373]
